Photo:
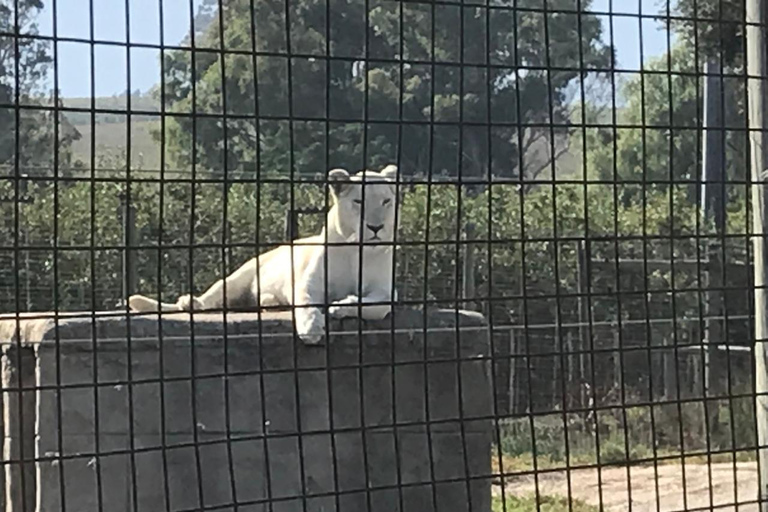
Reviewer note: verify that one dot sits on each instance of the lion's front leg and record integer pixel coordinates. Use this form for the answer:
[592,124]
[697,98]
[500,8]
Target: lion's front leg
[310,324]
[371,307]
[308,293]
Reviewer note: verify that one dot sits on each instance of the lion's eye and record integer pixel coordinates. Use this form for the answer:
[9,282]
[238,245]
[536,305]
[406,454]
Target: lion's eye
[386,201]
[358,201]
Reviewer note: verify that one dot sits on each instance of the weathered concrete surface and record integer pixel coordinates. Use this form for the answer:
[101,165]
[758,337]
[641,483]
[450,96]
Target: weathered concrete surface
[268,418]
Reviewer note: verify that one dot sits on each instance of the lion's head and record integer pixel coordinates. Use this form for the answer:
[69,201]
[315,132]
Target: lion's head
[365,203]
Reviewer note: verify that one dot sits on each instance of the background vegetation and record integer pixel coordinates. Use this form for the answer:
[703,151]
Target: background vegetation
[626,180]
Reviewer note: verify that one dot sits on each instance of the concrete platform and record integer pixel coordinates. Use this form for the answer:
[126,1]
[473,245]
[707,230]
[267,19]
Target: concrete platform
[146,413]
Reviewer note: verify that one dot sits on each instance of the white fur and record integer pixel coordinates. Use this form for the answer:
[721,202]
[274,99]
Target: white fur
[300,280]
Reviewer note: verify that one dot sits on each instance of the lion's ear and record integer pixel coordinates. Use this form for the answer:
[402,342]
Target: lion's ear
[339,180]
[389,172]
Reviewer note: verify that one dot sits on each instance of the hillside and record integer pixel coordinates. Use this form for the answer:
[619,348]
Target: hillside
[111,136]
[139,102]
[112,139]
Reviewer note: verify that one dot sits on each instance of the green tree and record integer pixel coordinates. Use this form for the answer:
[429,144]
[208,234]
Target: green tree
[718,31]
[663,110]
[370,89]
[24,67]
[660,134]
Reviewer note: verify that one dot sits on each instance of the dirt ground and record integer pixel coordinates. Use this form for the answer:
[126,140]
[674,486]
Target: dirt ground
[672,494]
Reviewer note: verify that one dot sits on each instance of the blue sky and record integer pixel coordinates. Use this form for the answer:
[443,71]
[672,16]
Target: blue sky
[110,24]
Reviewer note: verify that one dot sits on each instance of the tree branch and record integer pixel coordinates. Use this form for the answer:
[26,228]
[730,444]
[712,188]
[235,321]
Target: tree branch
[554,158]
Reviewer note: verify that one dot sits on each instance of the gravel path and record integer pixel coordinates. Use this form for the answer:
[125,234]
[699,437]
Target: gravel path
[584,485]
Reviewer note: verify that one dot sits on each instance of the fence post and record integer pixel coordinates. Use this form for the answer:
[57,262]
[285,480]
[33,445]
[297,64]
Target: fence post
[27,266]
[671,377]
[27,199]
[756,94]
[228,248]
[712,207]
[618,361]
[569,373]
[290,225]
[468,274]
[128,217]
[513,387]
[584,314]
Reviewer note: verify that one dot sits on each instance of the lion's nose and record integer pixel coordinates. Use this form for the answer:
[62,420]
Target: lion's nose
[375,228]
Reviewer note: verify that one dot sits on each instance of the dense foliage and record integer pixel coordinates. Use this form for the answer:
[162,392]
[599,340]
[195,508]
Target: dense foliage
[384,95]
[24,77]
[526,239]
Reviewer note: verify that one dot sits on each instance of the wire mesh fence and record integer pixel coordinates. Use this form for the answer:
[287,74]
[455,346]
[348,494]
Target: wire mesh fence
[542,294]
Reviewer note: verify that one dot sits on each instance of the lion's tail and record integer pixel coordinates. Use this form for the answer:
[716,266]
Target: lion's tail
[142,304]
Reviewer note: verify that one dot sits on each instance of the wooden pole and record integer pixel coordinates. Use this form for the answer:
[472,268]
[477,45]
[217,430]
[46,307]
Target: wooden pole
[290,225]
[27,266]
[569,374]
[130,276]
[618,359]
[513,387]
[671,379]
[714,212]
[712,150]
[468,272]
[756,95]
[584,314]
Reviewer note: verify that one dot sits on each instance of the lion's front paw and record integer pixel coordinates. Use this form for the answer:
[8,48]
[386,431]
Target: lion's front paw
[310,325]
[188,302]
[347,307]
[341,311]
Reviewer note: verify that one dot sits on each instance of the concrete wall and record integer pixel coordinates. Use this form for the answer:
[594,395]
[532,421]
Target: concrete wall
[254,424]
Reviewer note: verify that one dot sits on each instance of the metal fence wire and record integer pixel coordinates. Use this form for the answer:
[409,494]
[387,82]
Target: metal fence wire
[544,293]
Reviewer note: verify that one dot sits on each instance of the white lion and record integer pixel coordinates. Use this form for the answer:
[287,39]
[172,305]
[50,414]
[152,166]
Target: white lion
[301,280]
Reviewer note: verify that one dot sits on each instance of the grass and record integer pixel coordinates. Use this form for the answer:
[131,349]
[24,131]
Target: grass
[546,504]
[524,462]
[620,445]
[628,435]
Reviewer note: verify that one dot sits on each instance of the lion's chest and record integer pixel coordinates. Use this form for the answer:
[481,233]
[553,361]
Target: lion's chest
[351,271]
